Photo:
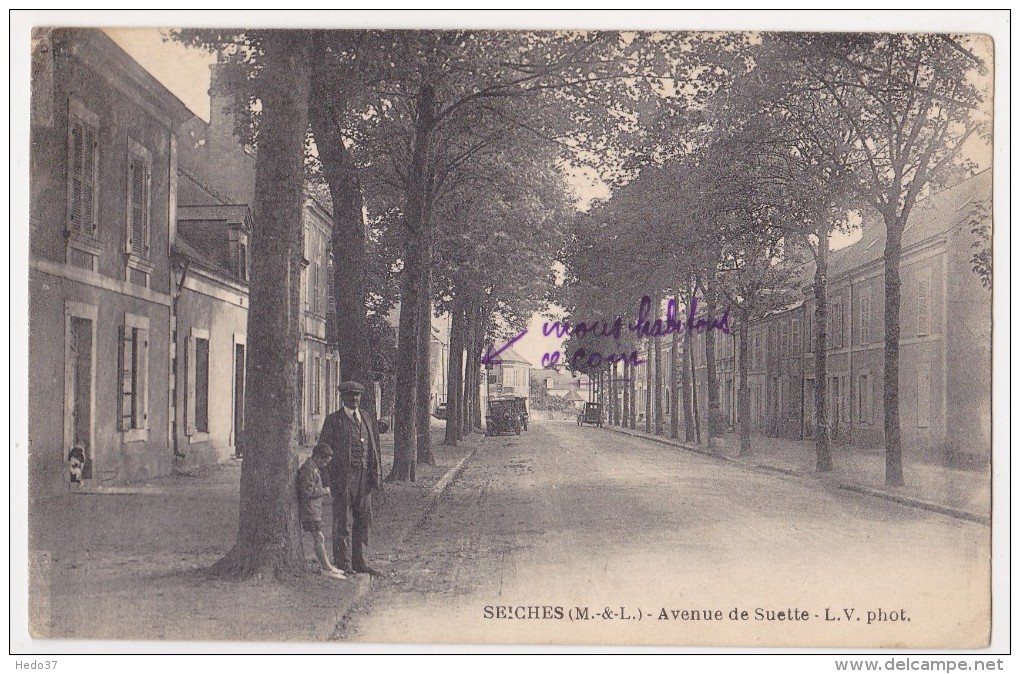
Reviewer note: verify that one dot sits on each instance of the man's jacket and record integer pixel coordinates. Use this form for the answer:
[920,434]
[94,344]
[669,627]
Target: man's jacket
[340,433]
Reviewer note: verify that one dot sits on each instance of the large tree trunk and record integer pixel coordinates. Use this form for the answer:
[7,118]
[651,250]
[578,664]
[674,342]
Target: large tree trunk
[744,391]
[269,533]
[348,237]
[657,407]
[674,383]
[823,451]
[711,377]
[891,370]
[405,438]
[632,384]
[628,374]
[416,248]
[649,362]
[478,415]
[471,373]
[693,389]
[423,419]
[455,376]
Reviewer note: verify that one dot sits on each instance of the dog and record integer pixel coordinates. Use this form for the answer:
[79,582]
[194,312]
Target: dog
[76,462]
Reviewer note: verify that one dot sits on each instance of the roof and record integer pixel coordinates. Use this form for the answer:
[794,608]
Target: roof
[934,216]
[573,395]
[508,355]
[187,250]
[560,380]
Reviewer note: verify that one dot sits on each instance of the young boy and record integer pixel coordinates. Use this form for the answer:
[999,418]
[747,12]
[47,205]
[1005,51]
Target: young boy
[310,493]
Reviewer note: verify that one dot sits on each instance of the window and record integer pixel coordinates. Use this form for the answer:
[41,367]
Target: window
[796,336]
[197,410]
[82,170]
[242,262]
[865,399]
[836,324]
[316,384]
[329,385]
[133,357]
[924,303]
[865,317]
[138,200]
[810,330]
[924,396]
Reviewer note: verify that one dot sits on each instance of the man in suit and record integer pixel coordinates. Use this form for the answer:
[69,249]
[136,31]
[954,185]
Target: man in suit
[354,473]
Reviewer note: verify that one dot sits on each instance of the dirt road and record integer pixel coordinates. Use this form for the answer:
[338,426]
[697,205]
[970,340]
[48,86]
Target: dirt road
[578,535]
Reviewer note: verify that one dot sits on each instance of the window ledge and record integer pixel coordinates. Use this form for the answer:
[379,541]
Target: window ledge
[141,264]
[195,438]
[136,435]
[84,242]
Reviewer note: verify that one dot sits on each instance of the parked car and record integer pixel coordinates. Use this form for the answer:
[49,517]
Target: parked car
[503,416]
[592,414]
[440,412]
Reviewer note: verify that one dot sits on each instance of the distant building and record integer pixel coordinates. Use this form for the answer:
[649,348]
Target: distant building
[511,377]
[560,383]
[945,339]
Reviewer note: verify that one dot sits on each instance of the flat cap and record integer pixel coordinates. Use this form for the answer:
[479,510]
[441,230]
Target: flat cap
[350,387]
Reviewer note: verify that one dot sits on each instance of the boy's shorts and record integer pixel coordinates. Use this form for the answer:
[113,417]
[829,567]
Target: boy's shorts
[312,526]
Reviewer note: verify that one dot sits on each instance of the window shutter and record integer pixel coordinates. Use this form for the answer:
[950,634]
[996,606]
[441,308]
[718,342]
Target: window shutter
[77,173]
[126,354]
[924,303]
[796,336]
[923,396]
[88,202]
[137,210]
[141,378]
[189,368]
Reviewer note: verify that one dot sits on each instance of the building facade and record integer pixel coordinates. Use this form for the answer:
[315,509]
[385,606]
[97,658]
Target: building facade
[945,344]
[102,212]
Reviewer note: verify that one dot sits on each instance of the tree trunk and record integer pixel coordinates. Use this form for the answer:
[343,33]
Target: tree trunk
[744,391]
[625,396]
[674,383]
[633,397]
[649,362]
[455,376]
[471,374]
[423,419]
[657,408]
[269,533]
[416,247]
[711,377]
[692,390]
[823,451]
[405,438]
[348,238]
[478,415]
[891,369]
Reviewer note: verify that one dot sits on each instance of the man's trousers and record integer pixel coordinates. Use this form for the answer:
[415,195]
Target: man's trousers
[352,517]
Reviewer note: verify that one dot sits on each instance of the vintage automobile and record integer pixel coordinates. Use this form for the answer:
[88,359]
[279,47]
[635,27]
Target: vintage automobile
[440,411]
[592,414]
[521,405]
[503,416]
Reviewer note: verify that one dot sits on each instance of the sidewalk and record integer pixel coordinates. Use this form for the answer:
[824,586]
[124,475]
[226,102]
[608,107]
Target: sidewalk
[130,564]
[957,492]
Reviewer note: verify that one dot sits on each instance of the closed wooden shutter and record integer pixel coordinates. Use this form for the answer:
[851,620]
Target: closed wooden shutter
[139,210]
[924,303]
[126,358]
[83,177]
[924,395]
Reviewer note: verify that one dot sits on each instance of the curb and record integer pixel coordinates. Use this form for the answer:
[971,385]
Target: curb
[866,491]
[436,493]
[330,630]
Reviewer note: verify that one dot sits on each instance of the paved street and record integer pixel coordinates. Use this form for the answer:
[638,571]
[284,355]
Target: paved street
[567,518]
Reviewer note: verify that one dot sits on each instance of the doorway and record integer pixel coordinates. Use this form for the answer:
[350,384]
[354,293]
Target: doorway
[79,384]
